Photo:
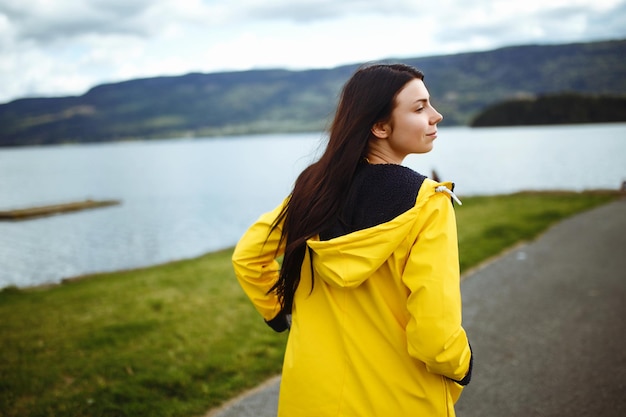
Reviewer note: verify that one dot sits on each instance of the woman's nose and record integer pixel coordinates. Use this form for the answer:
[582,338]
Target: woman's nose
[437,117]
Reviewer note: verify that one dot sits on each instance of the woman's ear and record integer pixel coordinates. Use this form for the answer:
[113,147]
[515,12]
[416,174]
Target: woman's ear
[381,130]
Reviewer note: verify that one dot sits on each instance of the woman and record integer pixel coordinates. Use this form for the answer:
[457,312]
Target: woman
[369,283]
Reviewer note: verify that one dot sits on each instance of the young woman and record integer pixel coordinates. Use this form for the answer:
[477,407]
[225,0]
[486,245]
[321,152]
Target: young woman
[369,282]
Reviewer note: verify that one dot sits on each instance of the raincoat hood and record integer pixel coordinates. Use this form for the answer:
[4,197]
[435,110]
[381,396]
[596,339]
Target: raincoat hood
[347,261]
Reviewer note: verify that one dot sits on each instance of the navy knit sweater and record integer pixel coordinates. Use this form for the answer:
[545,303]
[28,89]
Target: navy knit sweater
[378,193]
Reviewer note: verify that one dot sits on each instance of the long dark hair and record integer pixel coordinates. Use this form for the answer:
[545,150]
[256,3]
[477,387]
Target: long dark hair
[367,98]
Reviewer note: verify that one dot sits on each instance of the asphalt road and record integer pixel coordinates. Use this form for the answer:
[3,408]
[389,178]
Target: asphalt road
[547,323]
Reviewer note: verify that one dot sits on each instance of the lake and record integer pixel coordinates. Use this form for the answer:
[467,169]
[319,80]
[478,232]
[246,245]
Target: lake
[185,197]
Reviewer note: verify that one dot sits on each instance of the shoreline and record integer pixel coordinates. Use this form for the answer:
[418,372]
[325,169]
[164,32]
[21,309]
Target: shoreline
[618,193]
[95,274]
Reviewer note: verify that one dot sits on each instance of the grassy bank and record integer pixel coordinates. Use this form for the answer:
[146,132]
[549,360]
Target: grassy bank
[180,338]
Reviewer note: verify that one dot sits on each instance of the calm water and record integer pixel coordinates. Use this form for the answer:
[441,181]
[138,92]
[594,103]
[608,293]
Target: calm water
[182,198]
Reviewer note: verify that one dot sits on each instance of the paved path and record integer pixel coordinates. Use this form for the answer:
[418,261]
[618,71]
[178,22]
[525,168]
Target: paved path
[546,323]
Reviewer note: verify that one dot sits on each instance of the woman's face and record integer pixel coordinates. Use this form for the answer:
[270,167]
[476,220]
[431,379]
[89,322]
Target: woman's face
[412,127]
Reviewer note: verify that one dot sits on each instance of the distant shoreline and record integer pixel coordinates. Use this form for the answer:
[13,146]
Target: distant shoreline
[279,100]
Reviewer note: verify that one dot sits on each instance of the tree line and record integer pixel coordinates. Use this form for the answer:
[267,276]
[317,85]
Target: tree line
[565,108]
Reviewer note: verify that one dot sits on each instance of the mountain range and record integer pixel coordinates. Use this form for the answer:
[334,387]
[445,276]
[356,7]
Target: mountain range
[277,100]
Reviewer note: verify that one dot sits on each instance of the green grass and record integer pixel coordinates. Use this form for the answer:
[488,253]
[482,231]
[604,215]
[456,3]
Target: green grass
[181,338]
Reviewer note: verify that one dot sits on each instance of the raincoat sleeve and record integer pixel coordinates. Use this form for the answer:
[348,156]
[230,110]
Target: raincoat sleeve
[256,267]
[435,335]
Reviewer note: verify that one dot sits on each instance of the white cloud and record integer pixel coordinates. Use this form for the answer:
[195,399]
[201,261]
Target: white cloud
[314,10]
[47,21]
[61,47]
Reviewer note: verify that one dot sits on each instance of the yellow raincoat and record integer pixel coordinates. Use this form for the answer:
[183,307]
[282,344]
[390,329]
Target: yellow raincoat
[378,333]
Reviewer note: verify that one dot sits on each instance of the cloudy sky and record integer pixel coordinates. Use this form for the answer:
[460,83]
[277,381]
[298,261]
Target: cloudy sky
[64,47]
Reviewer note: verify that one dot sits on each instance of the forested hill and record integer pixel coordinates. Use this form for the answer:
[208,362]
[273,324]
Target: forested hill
[264,101]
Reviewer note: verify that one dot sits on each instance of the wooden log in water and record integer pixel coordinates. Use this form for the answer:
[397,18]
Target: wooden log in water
[41,211]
